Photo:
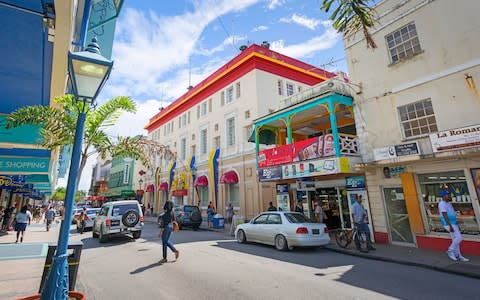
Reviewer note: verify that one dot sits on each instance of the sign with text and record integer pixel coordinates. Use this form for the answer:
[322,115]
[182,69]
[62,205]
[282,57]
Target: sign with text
[395,151]
[267,174]
[27,165]
[11,182]
[319,167]
[456,139]
[355,182]
[275,156]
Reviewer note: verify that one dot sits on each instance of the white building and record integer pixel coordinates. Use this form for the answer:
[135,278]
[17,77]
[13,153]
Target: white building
[417,118]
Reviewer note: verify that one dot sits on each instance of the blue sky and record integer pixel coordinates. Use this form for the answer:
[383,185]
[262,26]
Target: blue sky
[157,43]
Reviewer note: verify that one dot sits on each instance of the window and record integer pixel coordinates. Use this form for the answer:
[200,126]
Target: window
[203,109]
[198,112]
[203,191]
[296,218]
[274,219]
[456,184]
[280,87]
[193,136]
[126,173]
[417,118]
[203,141]
[248,132]
[262,219]
[230,131]
[173,125]
[222,98]
[247,114]
[229,95]
[216,127]
[184,120]
[234,193]
[299,88]
[165,130]
[290,89]
[194,150]
[210,105]
[237,88]
[183,148]
[403,43]
[189,117]
[216,142]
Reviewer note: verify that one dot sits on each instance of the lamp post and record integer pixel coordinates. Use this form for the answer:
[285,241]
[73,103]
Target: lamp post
[88,71]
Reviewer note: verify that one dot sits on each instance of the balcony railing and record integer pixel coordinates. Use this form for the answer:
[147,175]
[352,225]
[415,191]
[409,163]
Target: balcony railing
[313,148]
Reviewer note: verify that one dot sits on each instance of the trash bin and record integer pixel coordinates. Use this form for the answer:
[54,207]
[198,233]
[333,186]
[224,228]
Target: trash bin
[75,251]
[218,221]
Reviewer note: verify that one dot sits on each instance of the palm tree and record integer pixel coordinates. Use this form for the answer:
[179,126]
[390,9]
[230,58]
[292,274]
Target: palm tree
[60,192]
[59,122]
[351,16]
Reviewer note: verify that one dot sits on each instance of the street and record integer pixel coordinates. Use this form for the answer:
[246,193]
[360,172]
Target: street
[214,266]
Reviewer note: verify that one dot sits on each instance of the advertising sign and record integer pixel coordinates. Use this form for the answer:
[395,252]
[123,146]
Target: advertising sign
[325,166]
[11,182]
[267,174]
[283,202]
[394,151]
[455,139]
[275,156]
[24,164]
[308,149]
[282,188]
[407,149]
[354,182]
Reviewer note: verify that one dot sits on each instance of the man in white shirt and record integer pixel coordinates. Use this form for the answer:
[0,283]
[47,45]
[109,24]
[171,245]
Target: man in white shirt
[361,222]
[448,217]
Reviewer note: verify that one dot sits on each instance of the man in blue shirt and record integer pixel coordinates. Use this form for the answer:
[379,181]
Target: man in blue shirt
[361,222]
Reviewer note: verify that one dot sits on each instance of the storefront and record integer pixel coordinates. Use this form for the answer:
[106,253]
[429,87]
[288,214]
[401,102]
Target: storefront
[230,180]
[201,188]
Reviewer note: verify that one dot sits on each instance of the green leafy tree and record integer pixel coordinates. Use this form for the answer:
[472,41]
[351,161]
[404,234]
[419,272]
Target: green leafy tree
[351,16]
[59,122]
[60,192]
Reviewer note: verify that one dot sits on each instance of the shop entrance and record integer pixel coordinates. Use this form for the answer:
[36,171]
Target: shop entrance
[397,215]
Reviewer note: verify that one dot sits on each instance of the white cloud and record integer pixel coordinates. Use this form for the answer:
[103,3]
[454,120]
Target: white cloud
[228,42]
[147,45]
[325,41]
[275,3]
[302,21]
[260,28]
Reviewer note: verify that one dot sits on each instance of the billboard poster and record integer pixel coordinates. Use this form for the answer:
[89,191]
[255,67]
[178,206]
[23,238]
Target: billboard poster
[282,188]
[455,139]
[283,202]
[275,156]
[313,168]
[267,174]
[308,149]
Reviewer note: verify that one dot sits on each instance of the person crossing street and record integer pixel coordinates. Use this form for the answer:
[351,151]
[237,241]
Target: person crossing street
[50,216]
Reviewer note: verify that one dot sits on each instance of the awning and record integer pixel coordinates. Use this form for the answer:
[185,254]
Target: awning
[180,193]
[229,177]
[163,186]
[201,181]
[150,188]
[95,198]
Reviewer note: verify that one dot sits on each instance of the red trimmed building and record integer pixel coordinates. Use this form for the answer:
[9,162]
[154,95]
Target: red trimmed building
[218,114]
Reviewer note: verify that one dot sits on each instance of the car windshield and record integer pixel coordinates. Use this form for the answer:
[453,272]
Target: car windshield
[119,210]
[92,211]
[190,209]
[296,218]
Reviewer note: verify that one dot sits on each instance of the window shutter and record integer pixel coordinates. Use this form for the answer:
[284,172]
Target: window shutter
[222,98]
[238,89]
[198,112]
[189,117]
[210,105]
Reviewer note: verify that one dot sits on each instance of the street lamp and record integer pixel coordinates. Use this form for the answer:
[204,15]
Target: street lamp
[88,71]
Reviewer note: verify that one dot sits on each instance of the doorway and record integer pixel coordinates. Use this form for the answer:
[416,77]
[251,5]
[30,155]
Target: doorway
[397,215]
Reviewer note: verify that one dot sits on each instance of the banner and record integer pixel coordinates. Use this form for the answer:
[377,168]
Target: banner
[275,156]
[171,172]
[455,139]
[213,163]
[274,173]
[320,167]
[11,182]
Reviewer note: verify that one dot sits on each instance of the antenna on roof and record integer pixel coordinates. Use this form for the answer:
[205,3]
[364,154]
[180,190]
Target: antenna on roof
[189,74]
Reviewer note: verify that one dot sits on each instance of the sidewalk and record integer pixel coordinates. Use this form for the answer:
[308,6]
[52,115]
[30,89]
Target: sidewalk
[415,257]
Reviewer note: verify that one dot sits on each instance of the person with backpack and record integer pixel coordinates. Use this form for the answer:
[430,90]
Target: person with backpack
[166,228]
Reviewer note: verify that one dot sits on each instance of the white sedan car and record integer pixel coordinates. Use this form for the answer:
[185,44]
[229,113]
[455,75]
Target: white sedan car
[284,230]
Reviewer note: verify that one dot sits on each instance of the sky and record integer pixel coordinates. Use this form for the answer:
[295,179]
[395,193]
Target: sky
[162,47]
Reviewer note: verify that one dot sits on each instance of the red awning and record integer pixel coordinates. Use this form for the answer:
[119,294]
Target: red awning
[150,188]
[163,186]
[229,177]
[201,181]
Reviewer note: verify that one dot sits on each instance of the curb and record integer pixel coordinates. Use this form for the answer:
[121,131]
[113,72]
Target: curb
[403,262]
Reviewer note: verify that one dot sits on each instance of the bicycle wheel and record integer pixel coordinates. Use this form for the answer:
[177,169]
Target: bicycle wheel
[362,238]
[342,238]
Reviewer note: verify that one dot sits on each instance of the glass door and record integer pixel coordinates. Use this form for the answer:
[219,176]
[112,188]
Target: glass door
[397,215]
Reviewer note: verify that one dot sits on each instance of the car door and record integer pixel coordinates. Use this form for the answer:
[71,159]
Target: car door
[271,228]
[255,231]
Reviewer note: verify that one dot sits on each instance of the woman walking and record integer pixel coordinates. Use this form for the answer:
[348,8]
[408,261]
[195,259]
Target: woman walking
[22,218]
[210,214]
[168,218]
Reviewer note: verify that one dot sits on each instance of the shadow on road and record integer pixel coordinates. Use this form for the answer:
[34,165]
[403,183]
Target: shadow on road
[356,271]
[141,269]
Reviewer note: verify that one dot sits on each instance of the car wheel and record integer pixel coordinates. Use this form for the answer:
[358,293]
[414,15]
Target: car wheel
[281,243]
[241,238]
[136,234]
[101,235]
[131,218]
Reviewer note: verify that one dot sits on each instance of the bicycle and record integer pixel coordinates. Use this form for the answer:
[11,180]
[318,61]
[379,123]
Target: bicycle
[345,237]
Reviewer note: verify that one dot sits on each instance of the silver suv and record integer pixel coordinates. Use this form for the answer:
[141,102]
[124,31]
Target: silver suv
[118,217]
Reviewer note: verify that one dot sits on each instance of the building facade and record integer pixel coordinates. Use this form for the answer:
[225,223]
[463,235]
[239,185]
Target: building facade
[208,128]
[416,111]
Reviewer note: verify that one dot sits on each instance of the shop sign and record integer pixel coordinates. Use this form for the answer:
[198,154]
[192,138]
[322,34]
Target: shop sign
[355,182]
[282,188]
[326,166]
[11,181]
[179,193]
[27,165]
[275,156]
[394,151]
[267,174]
[305,185]
[455,139]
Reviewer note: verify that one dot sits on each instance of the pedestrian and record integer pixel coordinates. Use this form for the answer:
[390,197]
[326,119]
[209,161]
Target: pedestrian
[83,218]
[6,218]
[50,216]
[448,217]
[22,218]
[210,214]
[271,207]
[360,219]
[166,228]
[299,206]
[319,214]
[230,213]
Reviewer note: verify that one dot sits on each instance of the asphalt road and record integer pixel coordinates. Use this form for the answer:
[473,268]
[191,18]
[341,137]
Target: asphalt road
[213,266]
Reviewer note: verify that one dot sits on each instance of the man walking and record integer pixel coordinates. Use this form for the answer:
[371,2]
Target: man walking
[448,217]
[83,218]
[360,219]
[50,216]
